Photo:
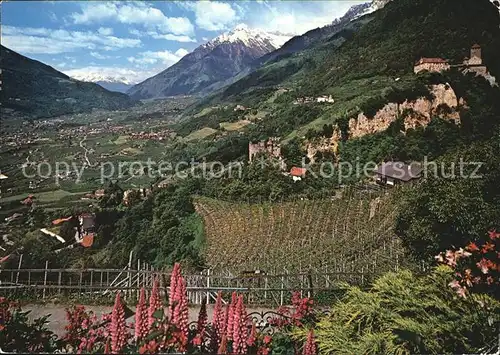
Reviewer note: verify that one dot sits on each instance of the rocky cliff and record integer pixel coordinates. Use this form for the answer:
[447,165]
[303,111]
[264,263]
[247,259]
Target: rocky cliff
[415,113]
[419,112]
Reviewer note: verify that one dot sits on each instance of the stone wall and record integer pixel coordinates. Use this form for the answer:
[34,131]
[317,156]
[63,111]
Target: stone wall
[431,67]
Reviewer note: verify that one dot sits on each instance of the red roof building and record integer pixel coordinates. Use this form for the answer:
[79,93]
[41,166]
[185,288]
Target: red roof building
[432,65]
[298,172]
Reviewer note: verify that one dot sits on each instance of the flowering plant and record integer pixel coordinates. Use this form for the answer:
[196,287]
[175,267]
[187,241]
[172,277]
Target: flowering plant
[477,267]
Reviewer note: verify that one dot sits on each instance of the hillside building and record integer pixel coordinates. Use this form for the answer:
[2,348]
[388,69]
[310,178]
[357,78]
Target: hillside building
[393,173]
[474,64]
[240,108]
[298,174]
[436,65]
[325,99]
[271,148]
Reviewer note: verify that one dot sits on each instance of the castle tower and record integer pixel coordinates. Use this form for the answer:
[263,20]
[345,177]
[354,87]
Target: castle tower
[475,55]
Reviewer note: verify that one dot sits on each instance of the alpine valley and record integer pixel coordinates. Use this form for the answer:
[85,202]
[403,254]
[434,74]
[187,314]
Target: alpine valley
[357,163]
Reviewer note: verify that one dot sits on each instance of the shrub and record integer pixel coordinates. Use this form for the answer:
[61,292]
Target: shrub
[406,314]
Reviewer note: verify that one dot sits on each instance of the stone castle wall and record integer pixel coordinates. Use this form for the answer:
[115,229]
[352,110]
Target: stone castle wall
[431,67]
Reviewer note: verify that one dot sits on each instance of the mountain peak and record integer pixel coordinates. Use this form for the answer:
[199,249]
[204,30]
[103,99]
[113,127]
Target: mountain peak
[248,36]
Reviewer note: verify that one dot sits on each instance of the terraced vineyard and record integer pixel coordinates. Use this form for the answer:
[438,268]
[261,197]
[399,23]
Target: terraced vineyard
[352,234]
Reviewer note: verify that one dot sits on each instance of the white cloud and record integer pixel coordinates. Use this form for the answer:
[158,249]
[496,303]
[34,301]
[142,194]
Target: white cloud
[172,37]
[47,41]
[136,32]
[136,13]
[53,16]
[291,17]
[105,31]
[166,57]
[98,55]
[165,36]
[213,15]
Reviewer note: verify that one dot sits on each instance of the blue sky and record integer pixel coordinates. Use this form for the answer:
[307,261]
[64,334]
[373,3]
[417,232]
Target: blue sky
[136,39]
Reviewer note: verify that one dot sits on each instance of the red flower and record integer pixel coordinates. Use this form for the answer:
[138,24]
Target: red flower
[483,265]
[493,234]
[487,247]
[472,247]
[267,339]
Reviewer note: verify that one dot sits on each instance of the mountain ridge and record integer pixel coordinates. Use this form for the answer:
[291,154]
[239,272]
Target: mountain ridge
[32,87]
[216,60]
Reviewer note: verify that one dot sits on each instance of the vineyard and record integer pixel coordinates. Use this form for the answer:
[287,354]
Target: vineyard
[347,234]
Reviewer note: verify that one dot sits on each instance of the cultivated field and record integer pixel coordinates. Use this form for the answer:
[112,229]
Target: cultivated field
[348,234]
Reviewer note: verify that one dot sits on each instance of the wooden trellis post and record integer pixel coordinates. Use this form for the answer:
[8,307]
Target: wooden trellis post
[45,278]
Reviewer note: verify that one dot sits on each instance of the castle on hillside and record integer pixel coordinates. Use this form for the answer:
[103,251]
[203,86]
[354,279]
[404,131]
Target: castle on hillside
[474,64]
[436,65]
[271,148]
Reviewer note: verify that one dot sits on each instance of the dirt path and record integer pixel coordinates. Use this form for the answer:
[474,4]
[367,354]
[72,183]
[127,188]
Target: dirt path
[85,155]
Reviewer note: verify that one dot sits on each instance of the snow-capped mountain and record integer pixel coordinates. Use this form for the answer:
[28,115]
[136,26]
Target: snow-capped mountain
[38,90]
[117,83]
[119,80]
[357,11]
[210,63]
[95,77]
[249,37]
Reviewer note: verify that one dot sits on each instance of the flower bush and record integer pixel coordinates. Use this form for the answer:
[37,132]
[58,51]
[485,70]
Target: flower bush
[18,334]
[477,266]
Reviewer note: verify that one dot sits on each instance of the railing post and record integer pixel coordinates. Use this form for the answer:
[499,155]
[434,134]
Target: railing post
[45,278]
[80,283]
[208,286]
[281,292]
[138,278]
[59,279]
[19,267]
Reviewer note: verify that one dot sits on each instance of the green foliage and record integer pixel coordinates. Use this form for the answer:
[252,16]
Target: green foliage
[162,229]
[407,314]
[443,211]
[20,335]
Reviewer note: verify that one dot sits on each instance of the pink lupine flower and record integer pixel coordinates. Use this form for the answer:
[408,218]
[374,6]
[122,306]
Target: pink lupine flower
[141,317]
[310,345]
[218,321]
[118,328]
[178,306]
[107,347]
[230,316]
[183,310]
[240,332]
[154,302]
[174,278]
[253,336]
[223,345]
[202,322]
